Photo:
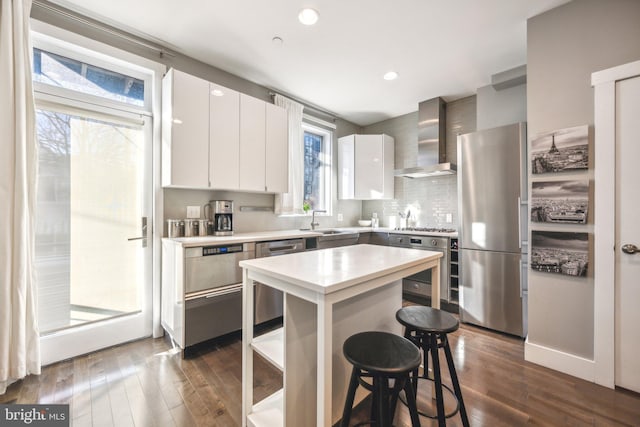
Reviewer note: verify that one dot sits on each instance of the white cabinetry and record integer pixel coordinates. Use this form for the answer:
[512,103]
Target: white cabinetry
[185,130]
[277,150]
[214,137]
[365,164]
[224,137]
[252,143]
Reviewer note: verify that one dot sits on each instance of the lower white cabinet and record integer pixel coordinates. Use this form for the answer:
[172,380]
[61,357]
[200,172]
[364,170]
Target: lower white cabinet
[365,165]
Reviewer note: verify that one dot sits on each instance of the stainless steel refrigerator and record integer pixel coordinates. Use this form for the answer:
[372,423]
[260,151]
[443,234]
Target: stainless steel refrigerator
[492,189]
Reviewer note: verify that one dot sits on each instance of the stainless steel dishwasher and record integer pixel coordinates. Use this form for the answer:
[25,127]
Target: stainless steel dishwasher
[213,290]
[268,301]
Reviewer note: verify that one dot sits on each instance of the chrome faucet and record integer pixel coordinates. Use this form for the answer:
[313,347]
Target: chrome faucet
[313,218]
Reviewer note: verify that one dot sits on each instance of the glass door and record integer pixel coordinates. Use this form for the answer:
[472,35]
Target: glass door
[93,263]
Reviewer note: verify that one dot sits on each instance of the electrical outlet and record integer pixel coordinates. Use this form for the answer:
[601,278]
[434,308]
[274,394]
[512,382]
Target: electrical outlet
[193,211]
[448,218]
[340,218]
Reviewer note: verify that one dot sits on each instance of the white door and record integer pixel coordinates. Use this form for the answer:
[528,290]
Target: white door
[627,313]
[94,197]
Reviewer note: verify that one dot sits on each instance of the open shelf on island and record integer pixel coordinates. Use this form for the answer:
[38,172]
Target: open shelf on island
[271,347]
[268,412]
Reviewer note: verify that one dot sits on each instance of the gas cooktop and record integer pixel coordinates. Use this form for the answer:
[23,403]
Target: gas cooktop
[427,229]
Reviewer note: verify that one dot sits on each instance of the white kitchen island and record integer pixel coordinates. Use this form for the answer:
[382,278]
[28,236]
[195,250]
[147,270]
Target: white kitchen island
[329,295]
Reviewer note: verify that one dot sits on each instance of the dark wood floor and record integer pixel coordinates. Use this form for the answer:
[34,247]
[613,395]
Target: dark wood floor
[146,383]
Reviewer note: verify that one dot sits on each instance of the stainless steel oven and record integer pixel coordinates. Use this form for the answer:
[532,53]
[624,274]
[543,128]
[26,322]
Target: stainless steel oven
[419,284]
[213,290]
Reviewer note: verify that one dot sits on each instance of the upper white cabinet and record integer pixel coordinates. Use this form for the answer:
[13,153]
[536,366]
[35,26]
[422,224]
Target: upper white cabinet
[185,130]
[277,150]
[214,137]
[252,143]
[365,164]
[224,137]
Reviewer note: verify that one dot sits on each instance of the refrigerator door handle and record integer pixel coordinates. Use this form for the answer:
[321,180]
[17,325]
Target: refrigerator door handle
[519,224]
[523,266]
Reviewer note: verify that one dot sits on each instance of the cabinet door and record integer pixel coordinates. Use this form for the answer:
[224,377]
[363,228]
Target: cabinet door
[388,147]
[369,179]
[252,143]
[185,130]
[224,138]
[277,150]
[346,167]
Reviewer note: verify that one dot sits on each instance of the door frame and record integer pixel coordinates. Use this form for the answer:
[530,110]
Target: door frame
[51,35]
[604,84]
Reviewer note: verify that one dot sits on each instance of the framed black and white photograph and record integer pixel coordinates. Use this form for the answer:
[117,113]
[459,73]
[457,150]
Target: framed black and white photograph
[561,150]
[560,201]
[560,252]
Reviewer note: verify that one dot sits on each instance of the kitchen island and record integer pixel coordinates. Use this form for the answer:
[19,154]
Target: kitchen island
[329,295]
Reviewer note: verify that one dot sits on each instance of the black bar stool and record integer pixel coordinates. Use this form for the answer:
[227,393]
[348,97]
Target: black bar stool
[427,328]
[381,356]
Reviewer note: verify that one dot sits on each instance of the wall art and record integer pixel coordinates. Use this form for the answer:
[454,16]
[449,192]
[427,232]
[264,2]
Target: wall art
[560,252]
[561,150]
[560,201]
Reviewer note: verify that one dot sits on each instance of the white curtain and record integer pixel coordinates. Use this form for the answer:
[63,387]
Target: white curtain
[291,202]
[19,337]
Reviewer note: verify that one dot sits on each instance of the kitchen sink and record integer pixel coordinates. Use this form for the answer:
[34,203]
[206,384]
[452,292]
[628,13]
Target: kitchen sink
[330,232]
[335,238]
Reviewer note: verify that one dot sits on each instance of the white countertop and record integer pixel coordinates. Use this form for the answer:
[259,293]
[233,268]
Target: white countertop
[261,236]
[329,270]
[254,236]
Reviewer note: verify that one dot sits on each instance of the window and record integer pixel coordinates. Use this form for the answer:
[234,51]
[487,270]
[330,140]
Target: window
[59,71]
[317,167]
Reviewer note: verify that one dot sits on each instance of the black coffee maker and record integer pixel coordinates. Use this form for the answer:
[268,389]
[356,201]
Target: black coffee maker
[223,218]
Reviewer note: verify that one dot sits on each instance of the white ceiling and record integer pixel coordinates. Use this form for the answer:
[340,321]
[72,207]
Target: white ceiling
[445,48]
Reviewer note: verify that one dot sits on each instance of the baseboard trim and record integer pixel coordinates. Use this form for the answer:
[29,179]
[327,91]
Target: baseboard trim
[560,361]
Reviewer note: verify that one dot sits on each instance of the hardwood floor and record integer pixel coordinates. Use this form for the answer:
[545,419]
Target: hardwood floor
[147,383]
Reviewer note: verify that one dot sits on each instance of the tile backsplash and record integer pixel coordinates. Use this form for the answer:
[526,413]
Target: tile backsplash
[433,201]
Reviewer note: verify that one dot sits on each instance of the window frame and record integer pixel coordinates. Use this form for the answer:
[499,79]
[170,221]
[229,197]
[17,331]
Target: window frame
[327,153]
[95,57]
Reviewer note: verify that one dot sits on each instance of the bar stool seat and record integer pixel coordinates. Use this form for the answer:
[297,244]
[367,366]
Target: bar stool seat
[427,328]
[381,356]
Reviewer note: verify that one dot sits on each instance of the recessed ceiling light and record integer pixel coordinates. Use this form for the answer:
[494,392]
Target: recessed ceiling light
[391,75]
[308,16]
[277,41]
[217,92]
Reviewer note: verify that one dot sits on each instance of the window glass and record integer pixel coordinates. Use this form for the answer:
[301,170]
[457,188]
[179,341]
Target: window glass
[56,70]
[317,168]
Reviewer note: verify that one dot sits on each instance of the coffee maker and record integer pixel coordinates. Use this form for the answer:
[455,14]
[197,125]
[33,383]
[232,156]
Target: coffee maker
[223,218]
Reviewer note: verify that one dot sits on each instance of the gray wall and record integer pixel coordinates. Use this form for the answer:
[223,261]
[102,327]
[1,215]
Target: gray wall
[566,45]
[429,199]
[501,107]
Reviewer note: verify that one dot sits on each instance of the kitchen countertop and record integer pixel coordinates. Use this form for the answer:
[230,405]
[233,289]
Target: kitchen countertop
[261,236]
[331,270]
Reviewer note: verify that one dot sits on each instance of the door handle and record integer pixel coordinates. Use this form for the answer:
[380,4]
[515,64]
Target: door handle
[144,233]
[630,249]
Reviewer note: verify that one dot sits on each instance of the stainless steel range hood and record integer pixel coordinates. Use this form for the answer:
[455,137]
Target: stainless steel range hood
[431,142]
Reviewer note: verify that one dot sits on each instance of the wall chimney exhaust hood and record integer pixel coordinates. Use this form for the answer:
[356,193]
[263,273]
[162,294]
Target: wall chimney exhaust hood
[431,143]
